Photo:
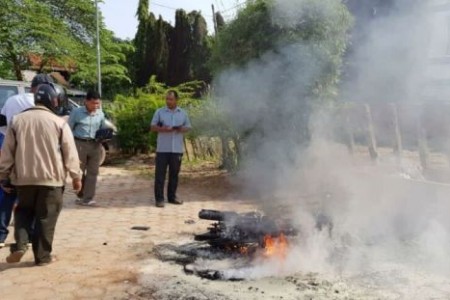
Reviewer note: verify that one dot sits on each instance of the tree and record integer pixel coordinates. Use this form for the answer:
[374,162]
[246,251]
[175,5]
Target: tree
[114,62]
[200,48]
[174,54]
[249,36]
[180,41]
[323,27]
[190,49]
[28,26]
[220,21]
[140,43]
[285,65]
[6,70]
[161,49]
[61,32]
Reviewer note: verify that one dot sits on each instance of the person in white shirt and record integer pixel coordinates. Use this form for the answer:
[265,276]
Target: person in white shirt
[13,106]
[18,103]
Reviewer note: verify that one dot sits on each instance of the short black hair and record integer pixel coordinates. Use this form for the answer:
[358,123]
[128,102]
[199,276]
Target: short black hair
[173,92]
[92,95]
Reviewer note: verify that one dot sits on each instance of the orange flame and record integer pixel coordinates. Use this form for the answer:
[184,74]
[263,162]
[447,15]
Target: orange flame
[275,246]
[243,250]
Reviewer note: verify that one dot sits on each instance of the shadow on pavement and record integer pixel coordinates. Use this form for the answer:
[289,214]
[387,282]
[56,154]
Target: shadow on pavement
[5,266]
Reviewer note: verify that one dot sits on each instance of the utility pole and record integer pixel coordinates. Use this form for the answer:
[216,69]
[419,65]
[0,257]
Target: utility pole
[214,18]
[99,67]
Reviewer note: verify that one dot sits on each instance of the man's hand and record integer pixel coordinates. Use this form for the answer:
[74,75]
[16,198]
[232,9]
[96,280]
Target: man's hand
[7,190]
[155,128]
[182,129]
[77,185]
[166,129]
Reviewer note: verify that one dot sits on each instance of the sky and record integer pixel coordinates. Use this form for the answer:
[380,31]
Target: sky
[120,17]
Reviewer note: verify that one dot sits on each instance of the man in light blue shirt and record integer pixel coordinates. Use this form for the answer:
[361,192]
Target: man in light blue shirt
[85,121]
[170,122]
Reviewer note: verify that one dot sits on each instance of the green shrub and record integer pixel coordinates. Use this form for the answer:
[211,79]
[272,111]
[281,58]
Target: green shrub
[132,116]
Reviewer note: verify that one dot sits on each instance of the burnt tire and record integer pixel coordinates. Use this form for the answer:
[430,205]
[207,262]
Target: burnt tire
[206,237]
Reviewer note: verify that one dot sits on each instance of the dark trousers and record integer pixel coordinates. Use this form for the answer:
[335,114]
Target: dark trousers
[41,204]
[6,206]
[164,161]
[90,155]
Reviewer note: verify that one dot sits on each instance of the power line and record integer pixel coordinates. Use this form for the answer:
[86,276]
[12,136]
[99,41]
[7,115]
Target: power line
[169,7]
[220,5]
[233,7]
[222,11]
[162,5]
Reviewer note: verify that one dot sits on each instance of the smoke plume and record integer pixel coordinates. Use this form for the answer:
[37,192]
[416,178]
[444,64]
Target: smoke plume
[379,219]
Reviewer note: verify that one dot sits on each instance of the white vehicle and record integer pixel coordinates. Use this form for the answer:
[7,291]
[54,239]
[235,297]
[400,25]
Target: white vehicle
[10,88]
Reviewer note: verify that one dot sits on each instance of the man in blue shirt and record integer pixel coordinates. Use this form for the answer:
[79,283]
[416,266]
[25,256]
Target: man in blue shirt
[85,121]
[170,122]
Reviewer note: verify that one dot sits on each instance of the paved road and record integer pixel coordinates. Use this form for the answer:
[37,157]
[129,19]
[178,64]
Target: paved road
[99,256]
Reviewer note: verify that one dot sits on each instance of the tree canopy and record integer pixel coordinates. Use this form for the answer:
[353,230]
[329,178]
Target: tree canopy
[175,54]
[272,65]
[61,32]
[56,30]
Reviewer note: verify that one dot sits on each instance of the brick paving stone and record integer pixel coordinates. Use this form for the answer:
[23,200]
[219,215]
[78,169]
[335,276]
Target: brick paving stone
[90,293]
[99,256]
[5,284]
[68,287]
[42,293]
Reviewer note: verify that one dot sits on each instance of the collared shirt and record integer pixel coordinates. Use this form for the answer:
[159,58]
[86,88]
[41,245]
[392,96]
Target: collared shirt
[15,105]
[170,142]
[84,125]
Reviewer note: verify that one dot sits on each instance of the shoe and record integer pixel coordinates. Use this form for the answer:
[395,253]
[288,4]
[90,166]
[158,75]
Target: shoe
[176,201]
[90,203]
[159,204]
[43,264]
[78,201]
[2,245]
[15,257]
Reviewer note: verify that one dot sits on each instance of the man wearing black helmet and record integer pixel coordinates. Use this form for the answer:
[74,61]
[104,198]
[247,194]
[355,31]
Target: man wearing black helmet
[13,106]
[39,172]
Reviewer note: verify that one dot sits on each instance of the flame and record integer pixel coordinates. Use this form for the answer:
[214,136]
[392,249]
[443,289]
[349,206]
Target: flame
[243,250]
[275,246]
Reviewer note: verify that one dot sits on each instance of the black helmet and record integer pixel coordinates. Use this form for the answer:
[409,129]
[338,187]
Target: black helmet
[41,79]
[61,91]
[51,96]
[62,99]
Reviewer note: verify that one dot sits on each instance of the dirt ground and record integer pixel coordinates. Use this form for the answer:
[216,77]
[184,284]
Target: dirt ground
[101,257]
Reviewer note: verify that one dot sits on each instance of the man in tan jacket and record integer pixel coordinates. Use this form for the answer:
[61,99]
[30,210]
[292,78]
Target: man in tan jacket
[39,150]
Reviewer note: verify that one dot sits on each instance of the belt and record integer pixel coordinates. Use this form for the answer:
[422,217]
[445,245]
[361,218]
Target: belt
[85,140]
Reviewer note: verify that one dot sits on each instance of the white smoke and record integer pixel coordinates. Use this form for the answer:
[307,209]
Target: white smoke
[378,218]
